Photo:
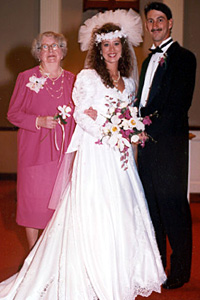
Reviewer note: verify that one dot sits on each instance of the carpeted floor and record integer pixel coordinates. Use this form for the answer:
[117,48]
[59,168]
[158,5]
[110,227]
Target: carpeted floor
[14,248]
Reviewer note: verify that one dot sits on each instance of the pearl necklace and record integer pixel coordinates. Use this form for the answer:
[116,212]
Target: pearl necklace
[51,90]
[42,71]
[115,81]
[54,79]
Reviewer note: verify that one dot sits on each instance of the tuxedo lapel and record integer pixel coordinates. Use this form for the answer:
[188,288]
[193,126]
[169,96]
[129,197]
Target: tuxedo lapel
[156,83]
[160,71]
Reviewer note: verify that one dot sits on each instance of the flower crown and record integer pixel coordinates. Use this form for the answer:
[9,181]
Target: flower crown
[110,35]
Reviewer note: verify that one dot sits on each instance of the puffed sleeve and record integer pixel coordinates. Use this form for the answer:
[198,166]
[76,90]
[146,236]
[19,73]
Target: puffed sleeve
[83,95]
[17,114]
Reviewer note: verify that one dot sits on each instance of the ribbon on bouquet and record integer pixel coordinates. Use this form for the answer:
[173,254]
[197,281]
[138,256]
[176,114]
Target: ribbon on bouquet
[55,139]
[63,140]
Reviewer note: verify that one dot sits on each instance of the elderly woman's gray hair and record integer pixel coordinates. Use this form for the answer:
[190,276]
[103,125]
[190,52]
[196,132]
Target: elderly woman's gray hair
[37,43]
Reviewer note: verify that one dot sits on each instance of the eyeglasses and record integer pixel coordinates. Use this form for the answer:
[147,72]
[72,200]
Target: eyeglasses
[47,47]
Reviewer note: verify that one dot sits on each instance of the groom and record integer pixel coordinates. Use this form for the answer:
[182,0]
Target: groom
[166,85]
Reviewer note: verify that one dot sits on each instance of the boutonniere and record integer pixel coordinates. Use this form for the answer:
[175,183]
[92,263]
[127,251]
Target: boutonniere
[163,60]
[36,84]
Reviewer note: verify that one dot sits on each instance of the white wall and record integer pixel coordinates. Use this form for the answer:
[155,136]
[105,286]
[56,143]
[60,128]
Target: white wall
[194,186]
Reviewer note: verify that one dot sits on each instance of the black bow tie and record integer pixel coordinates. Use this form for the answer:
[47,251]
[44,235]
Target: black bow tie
[159,49]
[155,50]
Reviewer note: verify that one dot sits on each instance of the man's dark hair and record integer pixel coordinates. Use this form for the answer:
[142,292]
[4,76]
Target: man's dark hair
[158,6]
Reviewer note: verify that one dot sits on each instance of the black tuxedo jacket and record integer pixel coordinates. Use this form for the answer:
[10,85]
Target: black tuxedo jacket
[171,96]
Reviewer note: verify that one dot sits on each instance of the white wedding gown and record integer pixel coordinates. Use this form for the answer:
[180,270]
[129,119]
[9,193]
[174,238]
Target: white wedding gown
[100,243]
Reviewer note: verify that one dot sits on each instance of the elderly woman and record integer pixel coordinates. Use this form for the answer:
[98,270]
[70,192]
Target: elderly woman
[42,137]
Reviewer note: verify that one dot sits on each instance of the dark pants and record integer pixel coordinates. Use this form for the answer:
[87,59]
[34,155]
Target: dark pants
[165,187]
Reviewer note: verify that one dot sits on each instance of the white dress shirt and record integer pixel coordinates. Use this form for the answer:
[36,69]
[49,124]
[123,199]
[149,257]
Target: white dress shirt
[153,64]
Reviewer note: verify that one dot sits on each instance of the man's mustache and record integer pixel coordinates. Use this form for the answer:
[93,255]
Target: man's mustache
[159,29]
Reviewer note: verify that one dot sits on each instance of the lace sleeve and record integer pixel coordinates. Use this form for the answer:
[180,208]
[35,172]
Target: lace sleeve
[83,96]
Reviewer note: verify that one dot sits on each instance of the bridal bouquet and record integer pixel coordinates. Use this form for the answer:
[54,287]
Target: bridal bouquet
[123,127]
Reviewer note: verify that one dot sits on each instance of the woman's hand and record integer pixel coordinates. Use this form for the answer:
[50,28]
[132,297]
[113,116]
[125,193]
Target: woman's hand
[92,113]
[46,122]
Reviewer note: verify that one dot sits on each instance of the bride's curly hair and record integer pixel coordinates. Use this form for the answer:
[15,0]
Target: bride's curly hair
[97,62]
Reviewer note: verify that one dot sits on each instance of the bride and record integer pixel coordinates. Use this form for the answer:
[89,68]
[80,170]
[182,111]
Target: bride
[100,243]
